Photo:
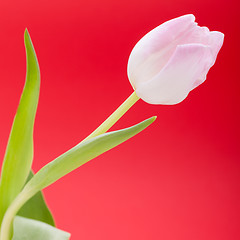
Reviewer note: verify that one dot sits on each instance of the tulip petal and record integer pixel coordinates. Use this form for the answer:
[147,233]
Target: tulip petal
[202,35]
[185,70]
[154,50]
[216,42]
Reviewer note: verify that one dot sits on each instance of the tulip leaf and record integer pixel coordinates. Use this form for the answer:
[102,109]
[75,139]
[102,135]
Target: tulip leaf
[28,229]
[36,208]
[19,153]
[82,153]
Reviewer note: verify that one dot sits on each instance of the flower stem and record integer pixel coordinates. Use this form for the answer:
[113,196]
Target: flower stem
[115,116]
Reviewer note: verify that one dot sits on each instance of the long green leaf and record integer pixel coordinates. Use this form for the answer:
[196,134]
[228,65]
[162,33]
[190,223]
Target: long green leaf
[82,153]
[36,208]
[19,153]
[28,229]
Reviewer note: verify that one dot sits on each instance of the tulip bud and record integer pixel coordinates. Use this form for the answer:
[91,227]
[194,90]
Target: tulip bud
[173,59]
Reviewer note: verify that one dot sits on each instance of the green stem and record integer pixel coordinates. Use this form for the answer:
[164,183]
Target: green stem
[115,116]
[26,194]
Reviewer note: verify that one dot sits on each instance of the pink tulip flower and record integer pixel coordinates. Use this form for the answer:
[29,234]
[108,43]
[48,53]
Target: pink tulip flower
[173,59]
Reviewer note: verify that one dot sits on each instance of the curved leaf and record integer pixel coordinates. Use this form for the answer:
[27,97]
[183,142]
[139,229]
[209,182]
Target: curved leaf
[82,153]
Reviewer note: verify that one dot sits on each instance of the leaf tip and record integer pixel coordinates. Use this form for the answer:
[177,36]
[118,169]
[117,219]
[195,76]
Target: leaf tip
[30,52]
[26,34]
[152,119]
[148,121]
[27,40]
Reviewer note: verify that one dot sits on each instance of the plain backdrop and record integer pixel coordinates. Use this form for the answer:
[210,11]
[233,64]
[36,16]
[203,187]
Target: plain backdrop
[177,180]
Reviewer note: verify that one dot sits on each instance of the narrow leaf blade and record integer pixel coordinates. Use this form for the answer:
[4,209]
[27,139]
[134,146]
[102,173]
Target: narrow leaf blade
[28,229]
[82,153]
[19,153]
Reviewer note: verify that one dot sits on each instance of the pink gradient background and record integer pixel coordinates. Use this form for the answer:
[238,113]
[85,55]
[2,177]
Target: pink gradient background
[179,179]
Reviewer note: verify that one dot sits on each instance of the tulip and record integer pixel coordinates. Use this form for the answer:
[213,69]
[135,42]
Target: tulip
[172,59]
[167,63]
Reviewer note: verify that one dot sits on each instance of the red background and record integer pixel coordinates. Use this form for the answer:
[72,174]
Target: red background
[179,179]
